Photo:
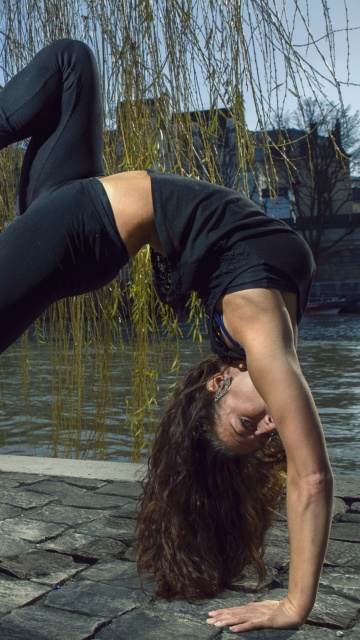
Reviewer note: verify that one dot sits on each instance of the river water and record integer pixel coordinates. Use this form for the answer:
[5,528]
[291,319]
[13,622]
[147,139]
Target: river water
[329,351]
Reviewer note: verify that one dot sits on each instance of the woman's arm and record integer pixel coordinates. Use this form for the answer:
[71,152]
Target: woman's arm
[260,321]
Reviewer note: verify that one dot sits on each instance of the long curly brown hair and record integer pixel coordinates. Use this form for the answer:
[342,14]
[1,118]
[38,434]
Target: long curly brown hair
[204,511]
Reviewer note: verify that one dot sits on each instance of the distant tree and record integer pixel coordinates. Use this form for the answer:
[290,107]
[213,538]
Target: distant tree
[333,121]
[321,150]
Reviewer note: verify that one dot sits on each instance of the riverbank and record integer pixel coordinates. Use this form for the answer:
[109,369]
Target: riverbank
[67,563]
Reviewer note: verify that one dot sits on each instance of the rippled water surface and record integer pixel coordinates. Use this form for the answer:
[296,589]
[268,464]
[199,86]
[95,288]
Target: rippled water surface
[329,350]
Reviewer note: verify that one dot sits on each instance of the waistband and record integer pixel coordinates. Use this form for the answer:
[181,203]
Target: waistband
[100,200]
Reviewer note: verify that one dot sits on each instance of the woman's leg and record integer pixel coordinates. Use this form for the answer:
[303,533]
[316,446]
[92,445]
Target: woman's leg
[65,244]
[55,100]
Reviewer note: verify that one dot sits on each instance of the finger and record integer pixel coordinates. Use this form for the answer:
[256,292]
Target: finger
[232,610]
[217,612]
[218,616]
[226,621]
[236,612]
[249,625]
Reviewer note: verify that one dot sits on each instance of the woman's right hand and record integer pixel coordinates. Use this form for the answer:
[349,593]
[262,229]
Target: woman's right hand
[269,614]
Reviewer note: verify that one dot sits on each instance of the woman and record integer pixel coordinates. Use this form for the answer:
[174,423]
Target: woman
[75,232]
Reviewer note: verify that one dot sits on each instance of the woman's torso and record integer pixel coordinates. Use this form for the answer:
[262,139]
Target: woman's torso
[206,238]
[130,197]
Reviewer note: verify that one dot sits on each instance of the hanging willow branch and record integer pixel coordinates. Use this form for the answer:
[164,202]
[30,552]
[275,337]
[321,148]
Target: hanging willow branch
[167,68]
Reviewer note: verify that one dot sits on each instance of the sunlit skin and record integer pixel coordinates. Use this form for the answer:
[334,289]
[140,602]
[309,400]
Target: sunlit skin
[130,197]
[244,423]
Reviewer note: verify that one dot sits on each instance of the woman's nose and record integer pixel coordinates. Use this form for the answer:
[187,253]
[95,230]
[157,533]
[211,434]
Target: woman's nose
[266,425]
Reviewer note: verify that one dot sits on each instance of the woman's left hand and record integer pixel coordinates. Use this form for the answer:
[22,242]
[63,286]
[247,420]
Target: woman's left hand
[268,614]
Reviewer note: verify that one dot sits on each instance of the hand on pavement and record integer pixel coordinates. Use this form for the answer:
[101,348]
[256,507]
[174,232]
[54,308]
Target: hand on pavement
[269,614]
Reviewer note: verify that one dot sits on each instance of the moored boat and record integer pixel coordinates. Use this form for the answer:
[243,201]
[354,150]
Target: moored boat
[325,305]
[351,305]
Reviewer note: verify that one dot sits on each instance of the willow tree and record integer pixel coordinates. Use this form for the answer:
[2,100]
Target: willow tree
[176,75]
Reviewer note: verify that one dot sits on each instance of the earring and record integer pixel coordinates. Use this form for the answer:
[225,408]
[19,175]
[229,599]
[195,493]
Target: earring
[223,388]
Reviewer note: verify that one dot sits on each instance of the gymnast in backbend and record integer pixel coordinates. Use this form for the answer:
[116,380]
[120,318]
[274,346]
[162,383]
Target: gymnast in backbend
[214,476]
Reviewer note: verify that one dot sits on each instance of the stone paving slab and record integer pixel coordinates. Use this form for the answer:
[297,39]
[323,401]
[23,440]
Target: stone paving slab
[155,629]
[106,599]
[16,593]
[343,554]
[64,514]
[9,512]
[343,581]
[51,569]
[57,488]
[340,508]
[197,613]
[347,488]
[247,582]
[24,499]
[114,570]
[95,501]
[45,623]
[122,529]
[125,489]
[78,545]
[10,547]
[31,530]
[83,483]
[67,565]
[346,531]
[350,517]
[130,510]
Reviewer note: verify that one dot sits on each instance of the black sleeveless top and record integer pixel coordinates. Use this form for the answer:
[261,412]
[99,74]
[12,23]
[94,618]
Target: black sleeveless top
[217,241]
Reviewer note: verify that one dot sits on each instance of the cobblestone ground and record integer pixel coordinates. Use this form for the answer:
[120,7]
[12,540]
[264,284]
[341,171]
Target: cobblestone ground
[67,568]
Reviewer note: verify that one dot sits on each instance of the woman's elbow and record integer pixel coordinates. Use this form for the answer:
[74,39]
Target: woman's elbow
[316,484]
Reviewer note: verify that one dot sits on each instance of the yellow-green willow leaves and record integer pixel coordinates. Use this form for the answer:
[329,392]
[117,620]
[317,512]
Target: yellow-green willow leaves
[167,67]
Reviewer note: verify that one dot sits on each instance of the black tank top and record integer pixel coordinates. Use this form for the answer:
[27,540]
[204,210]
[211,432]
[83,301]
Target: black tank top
[216,241]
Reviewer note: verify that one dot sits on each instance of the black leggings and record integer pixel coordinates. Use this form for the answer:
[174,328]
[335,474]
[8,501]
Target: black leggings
[65,241]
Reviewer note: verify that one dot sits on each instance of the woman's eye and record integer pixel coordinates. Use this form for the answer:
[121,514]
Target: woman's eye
[246,423]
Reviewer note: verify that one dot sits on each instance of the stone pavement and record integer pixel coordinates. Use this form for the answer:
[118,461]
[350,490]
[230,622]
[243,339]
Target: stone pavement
[67,566]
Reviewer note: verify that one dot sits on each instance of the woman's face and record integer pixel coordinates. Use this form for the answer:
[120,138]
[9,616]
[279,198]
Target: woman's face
[243,424]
